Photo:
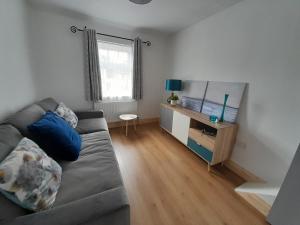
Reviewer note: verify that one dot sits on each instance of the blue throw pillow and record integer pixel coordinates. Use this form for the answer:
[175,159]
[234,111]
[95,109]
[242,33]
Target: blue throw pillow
[56,137]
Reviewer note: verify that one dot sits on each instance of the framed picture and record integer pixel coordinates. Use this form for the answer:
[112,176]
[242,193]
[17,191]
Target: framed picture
[192,94]
[214,99]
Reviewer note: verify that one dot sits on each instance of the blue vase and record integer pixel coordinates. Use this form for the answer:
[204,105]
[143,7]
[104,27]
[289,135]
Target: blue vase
[224,106]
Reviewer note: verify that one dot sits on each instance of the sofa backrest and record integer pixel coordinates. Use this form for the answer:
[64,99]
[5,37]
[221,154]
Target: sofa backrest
[25,117]
[48,104]
[31,114]
[9,139]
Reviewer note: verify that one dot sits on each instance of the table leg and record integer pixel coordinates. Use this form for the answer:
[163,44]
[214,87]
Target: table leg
[126,127]
[208,168]
[134,123]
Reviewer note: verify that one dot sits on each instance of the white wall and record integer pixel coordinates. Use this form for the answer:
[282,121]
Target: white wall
[254,41]
[59,62]
[16,78]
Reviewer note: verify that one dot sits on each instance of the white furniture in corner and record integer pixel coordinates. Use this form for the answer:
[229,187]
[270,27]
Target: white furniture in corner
[127,118]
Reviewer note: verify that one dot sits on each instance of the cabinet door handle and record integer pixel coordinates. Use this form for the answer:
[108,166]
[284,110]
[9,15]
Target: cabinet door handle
[198,143]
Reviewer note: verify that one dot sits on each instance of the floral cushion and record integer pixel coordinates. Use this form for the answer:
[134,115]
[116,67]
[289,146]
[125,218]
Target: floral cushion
[67,114]
[29,177]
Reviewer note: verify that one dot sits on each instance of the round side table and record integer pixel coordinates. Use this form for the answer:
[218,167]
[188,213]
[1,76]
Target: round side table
[126,118]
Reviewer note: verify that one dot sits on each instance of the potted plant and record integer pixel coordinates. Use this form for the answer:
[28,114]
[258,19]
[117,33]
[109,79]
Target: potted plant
[174,98]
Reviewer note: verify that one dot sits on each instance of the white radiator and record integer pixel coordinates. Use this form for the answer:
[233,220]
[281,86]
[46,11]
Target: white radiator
[112,110]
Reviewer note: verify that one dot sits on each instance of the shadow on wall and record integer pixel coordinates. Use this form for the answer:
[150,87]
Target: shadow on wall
[252,146]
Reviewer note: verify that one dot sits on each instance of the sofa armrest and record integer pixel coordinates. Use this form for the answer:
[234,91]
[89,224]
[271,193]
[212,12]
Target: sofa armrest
[89,114]
[80,211]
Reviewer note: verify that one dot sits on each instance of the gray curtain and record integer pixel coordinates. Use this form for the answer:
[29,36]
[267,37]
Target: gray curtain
[92,70]
[137,93]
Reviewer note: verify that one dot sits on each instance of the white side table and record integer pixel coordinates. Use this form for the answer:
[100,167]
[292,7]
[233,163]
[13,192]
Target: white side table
[127,118]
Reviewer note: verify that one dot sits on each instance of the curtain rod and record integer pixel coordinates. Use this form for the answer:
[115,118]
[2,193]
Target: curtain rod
[74,29]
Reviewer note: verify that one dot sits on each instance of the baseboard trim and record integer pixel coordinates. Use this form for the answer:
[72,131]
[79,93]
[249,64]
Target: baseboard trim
[252,198]
[242,172]
[148,120]
[139,122]
[257,202]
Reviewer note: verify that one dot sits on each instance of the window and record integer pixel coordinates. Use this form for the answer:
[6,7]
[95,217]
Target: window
[116,65]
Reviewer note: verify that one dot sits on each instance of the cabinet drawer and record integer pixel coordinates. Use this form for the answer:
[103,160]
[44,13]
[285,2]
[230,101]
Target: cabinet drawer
[205,140]
[200,150]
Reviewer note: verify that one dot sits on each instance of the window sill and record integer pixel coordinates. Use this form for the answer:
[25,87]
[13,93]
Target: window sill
[118,101]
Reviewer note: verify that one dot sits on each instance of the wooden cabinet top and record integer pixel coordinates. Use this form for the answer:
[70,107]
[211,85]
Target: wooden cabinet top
[199,117]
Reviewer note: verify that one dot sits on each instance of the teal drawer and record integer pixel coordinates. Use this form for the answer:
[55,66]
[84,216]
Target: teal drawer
[200,150]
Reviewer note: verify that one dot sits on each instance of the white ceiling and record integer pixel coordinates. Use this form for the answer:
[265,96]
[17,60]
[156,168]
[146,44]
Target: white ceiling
[162,15]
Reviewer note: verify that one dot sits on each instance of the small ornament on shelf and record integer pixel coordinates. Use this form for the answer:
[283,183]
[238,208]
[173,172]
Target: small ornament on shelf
[173,99]
[224,106]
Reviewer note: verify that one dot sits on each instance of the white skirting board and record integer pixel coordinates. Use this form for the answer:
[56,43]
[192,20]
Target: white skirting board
[259,188]
[266,191]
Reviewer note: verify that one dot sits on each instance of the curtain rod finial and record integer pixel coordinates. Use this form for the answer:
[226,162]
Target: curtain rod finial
[148,43]
[73,29]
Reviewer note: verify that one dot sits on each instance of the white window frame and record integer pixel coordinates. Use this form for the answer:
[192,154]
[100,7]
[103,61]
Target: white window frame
[112,99]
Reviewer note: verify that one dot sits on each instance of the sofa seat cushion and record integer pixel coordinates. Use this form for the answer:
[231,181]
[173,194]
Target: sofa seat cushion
[91,125]
[95,171]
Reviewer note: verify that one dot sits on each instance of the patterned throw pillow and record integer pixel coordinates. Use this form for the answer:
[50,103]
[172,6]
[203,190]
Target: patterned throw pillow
[67,114]
[29,177]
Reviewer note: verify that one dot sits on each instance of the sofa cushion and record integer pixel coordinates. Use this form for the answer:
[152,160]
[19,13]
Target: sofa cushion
[91,125]
[25,117]
[67,114]
[96,170]
[29,177]
[56,137]
[9,139]
[48,104]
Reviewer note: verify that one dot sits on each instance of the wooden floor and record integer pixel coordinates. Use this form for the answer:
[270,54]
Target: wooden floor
[168,185]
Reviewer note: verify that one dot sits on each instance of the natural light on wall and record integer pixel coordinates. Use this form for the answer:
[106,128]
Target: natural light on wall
[116,65]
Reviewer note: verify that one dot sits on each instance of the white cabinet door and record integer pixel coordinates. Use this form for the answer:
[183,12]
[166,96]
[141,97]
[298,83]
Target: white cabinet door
[180,128]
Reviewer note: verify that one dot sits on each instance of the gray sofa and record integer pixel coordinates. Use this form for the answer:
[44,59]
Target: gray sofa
[92,190]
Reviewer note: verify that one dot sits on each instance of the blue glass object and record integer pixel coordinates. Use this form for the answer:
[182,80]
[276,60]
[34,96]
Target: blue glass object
[224,106]
[173,85]
[213,119]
